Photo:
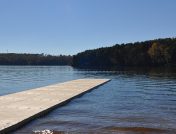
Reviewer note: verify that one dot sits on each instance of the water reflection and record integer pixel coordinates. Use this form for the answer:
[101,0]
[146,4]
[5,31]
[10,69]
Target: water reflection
[135,101]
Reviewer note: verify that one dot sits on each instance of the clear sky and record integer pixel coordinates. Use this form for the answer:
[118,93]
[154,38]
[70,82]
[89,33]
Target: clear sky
[71,26]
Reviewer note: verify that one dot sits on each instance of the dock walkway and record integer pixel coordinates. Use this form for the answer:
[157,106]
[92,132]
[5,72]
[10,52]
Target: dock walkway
[19,108]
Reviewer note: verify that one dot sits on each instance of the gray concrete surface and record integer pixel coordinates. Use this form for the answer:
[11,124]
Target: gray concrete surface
[19,108]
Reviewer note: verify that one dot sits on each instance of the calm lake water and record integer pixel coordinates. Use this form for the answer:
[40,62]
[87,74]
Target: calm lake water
[133,102]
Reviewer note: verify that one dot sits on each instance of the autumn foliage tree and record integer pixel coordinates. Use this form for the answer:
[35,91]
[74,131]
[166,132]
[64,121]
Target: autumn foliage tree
[157,53]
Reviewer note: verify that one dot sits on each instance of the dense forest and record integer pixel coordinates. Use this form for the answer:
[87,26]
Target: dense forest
[160,52]
[34,59]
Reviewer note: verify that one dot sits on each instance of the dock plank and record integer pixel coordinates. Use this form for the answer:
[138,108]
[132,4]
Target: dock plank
[17,109]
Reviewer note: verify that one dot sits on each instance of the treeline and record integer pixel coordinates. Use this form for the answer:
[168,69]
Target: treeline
[34,59]
[160,52]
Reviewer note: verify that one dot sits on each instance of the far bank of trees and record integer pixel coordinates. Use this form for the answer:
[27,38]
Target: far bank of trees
[34,59]
[161,52]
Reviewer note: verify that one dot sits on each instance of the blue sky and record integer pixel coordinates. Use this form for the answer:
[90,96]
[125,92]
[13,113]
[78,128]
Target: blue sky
[71,26]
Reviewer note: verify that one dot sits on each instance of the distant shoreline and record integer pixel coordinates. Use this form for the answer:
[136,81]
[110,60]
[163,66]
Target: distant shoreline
[152,53]
[34,59]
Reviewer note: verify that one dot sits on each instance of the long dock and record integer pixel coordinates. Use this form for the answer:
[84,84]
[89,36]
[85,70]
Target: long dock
[20,108]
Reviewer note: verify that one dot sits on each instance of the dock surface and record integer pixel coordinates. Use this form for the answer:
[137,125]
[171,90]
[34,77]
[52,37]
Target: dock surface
[19,108]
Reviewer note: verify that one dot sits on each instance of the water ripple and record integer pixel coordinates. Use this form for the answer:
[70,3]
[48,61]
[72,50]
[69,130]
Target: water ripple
[133,102]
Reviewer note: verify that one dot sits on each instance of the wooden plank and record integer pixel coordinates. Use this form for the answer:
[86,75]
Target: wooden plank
[19,108]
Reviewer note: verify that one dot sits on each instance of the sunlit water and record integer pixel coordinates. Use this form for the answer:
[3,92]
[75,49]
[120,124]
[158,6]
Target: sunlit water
[133,102]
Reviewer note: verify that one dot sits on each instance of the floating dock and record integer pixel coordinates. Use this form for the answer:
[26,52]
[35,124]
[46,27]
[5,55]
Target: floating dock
[20,108]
